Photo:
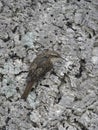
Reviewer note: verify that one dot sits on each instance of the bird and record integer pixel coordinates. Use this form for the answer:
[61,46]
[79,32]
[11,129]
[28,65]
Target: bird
[42,64]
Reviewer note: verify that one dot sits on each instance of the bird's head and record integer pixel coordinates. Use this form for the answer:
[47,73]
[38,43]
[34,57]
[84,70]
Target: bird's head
[53,55]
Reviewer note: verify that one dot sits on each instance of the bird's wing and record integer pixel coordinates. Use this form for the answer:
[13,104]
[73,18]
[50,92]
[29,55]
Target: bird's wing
[32,70]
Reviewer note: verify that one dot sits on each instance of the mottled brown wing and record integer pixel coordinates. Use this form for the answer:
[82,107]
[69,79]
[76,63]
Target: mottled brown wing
[44,68]
[39,68]
[32,69]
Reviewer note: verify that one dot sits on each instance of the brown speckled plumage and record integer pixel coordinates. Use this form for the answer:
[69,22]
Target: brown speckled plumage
[38,68]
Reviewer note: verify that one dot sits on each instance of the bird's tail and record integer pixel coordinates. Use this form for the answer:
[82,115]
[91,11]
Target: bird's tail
[27,90]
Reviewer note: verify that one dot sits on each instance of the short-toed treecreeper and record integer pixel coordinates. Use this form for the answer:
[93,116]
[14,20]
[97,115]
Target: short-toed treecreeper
[42,64]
